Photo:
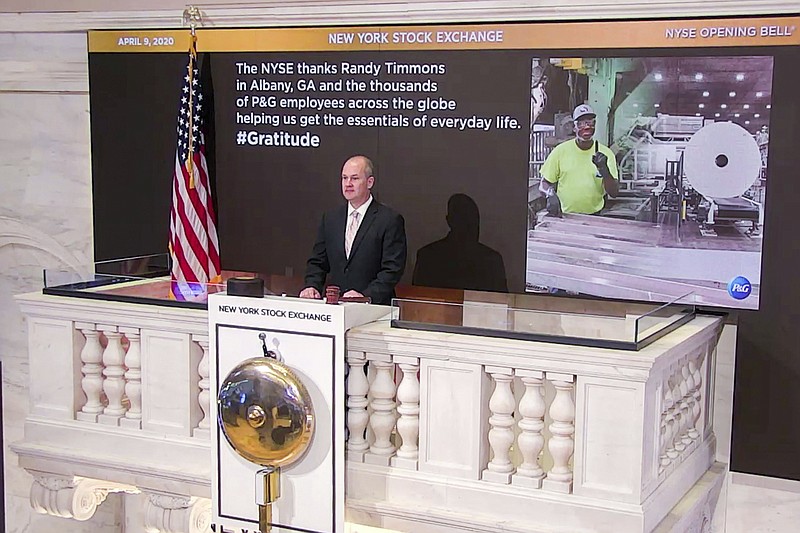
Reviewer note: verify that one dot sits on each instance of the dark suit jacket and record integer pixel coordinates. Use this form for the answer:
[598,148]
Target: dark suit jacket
[377,259]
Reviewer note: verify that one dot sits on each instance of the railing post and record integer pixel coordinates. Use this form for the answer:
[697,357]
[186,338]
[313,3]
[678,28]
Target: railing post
[382,419]
[687,404]
[561,445]
[114,371]
[697,407]
[203,428]
[666,431]
[92,370]
[531,440]
[408,409]
[133,377]
[357,415]
[678,414]
[501,436]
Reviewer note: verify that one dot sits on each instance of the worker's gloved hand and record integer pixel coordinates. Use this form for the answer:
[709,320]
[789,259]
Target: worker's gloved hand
[553,205]
[600,160]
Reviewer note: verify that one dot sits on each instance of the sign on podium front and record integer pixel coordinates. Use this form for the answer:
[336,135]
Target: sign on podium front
[309,337]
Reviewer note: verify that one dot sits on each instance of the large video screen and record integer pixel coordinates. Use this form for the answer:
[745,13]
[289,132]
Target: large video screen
[484,137]
[689,136]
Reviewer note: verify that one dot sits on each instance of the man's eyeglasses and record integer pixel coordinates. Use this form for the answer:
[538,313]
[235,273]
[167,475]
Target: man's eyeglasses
[586,122]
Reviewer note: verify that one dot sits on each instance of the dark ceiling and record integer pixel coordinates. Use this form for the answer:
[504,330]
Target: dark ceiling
[738,89]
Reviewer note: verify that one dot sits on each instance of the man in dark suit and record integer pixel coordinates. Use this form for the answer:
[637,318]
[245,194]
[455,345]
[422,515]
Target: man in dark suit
[362,244]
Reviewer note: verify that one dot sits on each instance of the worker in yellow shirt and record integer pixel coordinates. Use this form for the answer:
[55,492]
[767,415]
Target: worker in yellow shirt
[578,173]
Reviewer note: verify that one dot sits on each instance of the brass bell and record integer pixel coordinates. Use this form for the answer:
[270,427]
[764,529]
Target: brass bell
[266,415]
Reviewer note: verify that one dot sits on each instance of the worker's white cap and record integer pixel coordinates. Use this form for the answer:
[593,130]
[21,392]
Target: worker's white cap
[581,110]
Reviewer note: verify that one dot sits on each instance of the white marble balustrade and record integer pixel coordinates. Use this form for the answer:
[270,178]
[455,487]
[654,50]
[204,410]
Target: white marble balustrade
[446,431]
[525,432]
[111,365]
[119,403]
[134,373]
[683,403]
[395,432]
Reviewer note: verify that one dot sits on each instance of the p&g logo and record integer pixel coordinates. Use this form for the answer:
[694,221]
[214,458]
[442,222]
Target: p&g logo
[739,288]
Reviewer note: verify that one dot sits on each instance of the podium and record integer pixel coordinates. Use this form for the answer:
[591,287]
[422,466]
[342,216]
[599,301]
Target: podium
[309,337]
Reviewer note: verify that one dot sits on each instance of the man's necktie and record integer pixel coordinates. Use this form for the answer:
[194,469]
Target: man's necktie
[350,235]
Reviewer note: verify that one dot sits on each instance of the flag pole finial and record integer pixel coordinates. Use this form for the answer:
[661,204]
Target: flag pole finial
[192,17]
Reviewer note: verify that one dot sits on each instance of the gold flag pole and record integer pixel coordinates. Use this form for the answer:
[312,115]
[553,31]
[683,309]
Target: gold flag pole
[192,17]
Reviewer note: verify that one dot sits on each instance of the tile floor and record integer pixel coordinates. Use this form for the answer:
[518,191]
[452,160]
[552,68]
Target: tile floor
[756,504]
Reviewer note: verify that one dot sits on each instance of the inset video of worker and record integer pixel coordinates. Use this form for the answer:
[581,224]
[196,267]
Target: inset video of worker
[648,176]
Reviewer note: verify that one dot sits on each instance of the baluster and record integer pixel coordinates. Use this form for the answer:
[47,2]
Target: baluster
[561,444]
[694,368]
[687,403]
[531,441]
[357,416]
[666,427]
[92,370]
[678,412]
[133,377]
[663,460]
[114,371]
[408,409]
[203,429]
[382,419]
[501,436]
[673,421]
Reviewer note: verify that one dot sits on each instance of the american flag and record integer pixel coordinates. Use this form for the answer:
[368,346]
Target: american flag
[193,243]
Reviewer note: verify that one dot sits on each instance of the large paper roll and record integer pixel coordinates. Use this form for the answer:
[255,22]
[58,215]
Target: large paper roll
[722,160]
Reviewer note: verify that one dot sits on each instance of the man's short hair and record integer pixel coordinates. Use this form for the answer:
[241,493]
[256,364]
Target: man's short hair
[369,167]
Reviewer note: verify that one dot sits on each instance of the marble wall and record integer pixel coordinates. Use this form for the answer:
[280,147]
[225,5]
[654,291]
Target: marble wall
[45,220]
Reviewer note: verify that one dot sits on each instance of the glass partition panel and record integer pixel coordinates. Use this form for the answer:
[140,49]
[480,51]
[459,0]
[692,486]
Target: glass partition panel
[627,331]
[144,266]
[653,324]
[143,279]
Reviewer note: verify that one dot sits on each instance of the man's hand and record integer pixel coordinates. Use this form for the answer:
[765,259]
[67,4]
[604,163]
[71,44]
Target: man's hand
[352,294]
[600,160]
[311,293]
[553,205]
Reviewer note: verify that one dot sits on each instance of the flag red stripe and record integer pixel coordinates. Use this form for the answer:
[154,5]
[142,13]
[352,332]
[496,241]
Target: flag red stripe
[185,274]
[187,230]
[203,189]
[198,216]
[198,204]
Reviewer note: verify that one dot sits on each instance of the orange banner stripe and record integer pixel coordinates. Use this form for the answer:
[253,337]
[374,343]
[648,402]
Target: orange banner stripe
[761,31]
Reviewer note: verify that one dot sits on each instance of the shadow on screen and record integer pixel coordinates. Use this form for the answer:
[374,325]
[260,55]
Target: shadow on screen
[459,260]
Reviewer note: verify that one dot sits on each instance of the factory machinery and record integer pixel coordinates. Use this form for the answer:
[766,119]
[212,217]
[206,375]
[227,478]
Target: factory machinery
[710,172]
[688,219]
